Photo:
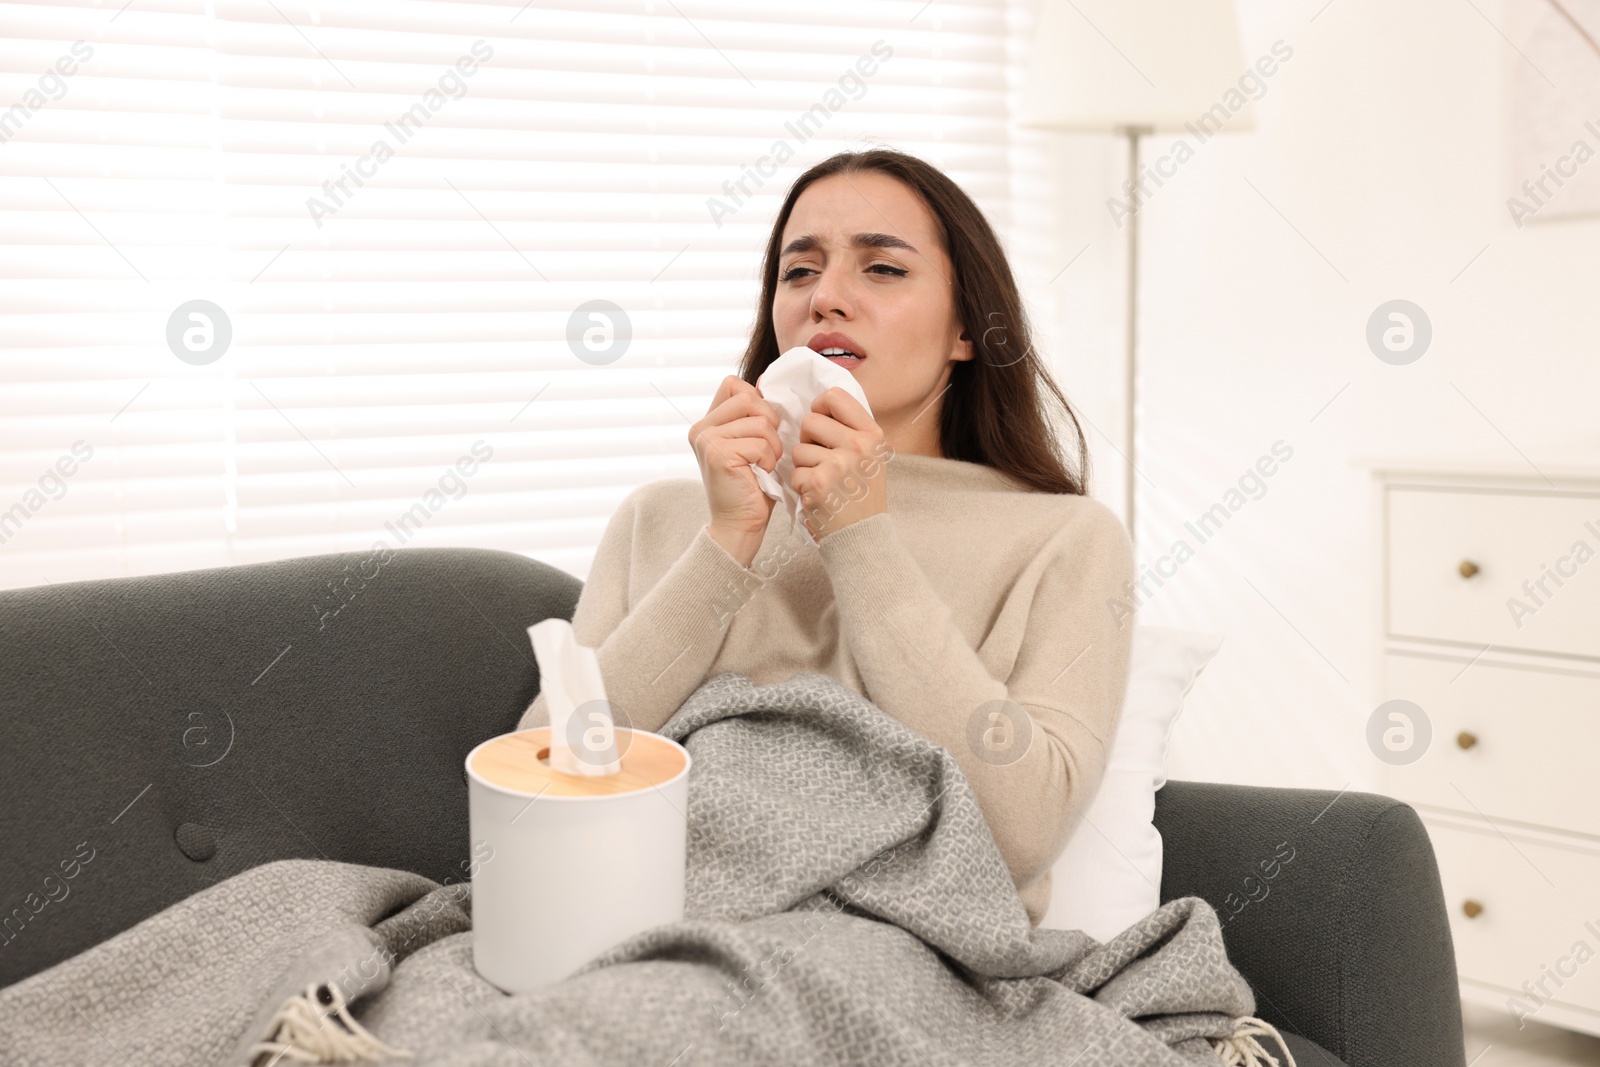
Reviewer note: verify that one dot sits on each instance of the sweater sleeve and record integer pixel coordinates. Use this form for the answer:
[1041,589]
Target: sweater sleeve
[1035,764]
[655,653]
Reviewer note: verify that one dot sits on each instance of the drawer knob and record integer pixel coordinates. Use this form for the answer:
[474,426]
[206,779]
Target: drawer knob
[1472,908]
[1467,568]
[1466,739]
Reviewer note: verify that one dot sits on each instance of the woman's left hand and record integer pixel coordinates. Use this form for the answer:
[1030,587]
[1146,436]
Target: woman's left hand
[839,470]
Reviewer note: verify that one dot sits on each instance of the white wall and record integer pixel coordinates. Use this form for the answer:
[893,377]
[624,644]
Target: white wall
[1382,140]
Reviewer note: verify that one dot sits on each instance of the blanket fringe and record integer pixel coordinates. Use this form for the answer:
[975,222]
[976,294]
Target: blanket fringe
[298,1032]
[1241,1049]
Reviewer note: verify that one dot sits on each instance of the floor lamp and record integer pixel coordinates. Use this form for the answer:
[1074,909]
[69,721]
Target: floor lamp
[1135,68]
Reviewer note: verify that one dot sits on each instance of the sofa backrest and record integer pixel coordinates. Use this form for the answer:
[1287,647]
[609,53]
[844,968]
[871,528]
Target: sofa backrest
[163,733]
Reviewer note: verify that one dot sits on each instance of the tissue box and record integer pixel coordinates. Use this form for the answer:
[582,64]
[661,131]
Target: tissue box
[575,865]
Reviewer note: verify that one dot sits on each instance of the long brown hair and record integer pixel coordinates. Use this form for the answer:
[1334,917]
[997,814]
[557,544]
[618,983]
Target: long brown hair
[994,411]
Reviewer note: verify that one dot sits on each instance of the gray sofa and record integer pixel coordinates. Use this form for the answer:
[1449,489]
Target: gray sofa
[163,733]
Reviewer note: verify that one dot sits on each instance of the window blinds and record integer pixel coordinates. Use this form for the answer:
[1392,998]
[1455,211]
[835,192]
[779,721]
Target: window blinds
[282,278]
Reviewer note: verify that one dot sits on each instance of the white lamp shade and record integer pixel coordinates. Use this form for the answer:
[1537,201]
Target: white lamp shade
[1102,65]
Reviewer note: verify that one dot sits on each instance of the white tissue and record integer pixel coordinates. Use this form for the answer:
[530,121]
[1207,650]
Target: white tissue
[791,384]
[569,677]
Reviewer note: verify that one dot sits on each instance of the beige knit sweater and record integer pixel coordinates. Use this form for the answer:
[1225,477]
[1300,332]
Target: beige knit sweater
[971,589]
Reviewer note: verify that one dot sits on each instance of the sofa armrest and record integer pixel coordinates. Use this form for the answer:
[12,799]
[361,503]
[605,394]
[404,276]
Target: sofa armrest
[1331,908]
[354,714]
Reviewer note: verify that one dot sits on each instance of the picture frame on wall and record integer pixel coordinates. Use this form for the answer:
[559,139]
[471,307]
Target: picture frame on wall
[1553,83]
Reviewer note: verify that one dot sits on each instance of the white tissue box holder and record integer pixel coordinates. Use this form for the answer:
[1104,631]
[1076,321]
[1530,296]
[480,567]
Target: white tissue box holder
[569,876]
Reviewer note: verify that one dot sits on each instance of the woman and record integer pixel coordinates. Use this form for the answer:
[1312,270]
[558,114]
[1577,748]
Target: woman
[961,579]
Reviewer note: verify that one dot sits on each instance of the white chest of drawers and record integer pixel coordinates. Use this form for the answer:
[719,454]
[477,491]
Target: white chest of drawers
[1488,586]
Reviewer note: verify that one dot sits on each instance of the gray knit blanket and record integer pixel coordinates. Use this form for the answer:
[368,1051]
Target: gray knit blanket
[846,903]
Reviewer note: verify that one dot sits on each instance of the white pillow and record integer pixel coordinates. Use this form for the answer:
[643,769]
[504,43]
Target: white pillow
[1109,875]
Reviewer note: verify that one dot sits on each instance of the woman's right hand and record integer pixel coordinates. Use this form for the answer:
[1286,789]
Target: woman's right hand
[739,428]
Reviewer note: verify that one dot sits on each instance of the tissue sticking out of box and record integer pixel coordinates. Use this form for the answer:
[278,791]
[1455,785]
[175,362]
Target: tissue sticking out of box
[583,738]
[791,384]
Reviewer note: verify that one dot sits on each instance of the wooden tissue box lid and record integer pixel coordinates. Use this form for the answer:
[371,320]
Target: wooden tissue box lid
[519,761]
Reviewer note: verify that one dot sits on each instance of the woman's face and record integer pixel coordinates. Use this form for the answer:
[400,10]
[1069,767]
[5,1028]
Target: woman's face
[861,267]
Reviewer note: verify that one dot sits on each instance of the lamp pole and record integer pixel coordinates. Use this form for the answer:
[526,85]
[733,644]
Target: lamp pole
[1130,363]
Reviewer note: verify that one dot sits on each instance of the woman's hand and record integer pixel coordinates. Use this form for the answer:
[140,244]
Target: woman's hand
[739,428]
[839,470]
